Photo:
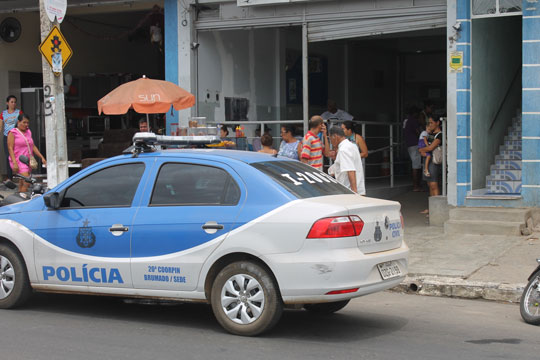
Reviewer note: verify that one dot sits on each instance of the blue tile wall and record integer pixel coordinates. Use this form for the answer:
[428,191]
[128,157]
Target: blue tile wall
[531,149]
[464,79]
[531,76]
[463,172]
[531,100]
[531,52]
[463,148]
[463,125]
[529,173]
[531,28]
[530,124]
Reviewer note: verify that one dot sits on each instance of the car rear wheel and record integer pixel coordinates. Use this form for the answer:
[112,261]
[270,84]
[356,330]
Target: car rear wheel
[14,284]
[245,299]
[326,308]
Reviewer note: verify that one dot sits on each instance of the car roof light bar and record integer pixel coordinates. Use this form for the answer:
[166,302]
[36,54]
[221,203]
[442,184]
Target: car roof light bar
[144,141]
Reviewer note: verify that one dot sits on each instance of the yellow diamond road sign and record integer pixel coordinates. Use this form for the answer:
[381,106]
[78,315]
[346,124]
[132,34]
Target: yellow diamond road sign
[55,42]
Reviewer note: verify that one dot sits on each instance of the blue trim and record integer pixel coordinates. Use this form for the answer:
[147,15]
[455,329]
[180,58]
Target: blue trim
[466,53]
[529,173]
[462,191]
[531,76]
[171,51]
[463,9]
[464,79]
[531,102]
[531,53]
[463,172]
[463,101]
[531,28]
[531,196]
[465,32]
[463,125]
[463,149]
[531,123]
[530,149]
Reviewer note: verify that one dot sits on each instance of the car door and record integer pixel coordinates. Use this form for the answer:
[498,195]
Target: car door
[190,208]
[87,240]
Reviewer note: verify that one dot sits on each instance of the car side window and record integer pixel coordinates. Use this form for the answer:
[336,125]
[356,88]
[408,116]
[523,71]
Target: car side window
[114,186]
[195,185]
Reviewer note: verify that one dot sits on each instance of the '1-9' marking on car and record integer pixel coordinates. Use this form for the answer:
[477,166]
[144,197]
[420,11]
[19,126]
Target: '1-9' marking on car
[309,177]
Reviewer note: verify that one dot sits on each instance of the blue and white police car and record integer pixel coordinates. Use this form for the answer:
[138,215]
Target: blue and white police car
[248,233]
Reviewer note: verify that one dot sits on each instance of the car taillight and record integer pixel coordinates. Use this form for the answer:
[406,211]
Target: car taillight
[334,227]
[402,222]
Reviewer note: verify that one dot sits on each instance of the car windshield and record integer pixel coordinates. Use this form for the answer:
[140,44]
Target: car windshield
[300,179]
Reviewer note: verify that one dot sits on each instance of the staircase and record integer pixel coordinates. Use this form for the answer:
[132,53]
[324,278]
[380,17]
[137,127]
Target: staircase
[505,176]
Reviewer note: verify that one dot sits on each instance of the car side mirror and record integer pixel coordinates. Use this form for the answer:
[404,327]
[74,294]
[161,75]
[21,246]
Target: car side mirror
[52,200]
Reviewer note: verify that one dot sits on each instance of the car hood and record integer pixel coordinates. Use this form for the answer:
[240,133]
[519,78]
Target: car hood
[13,208]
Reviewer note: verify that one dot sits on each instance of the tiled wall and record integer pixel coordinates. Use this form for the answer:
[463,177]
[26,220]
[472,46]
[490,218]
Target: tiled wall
[531,103]
[463,115]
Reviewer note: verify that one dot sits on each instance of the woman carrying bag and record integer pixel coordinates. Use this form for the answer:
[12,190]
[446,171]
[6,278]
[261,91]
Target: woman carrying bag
[20,143]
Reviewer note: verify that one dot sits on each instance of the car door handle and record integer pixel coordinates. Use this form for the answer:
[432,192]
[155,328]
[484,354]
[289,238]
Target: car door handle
[212,226]
[117,227]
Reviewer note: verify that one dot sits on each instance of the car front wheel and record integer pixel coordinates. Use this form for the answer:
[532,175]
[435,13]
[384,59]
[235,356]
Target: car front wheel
[245,299]
[14,284]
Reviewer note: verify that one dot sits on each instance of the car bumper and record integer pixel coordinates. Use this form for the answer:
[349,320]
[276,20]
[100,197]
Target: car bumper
[308,275]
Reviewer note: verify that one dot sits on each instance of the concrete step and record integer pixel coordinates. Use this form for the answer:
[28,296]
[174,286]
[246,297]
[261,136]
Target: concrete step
[498,174]
[483,227]
[512,137]
[514,133]
[508,164]
[503,186]
[507,147]
[509,155]
[491,214]
[514,143]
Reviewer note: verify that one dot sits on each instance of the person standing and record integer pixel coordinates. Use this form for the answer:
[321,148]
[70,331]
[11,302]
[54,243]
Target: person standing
[313,148]
[334,113]
[8,120]
[20,142]
[290,146]
[435,170]
[411,131]
[347,168]
[348,129]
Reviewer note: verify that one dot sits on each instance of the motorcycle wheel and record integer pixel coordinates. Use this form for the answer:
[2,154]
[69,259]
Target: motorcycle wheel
[529,305]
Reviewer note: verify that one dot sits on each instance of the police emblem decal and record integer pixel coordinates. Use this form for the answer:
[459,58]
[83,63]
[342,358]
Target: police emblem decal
[386,222]
[378,233]
[86,237]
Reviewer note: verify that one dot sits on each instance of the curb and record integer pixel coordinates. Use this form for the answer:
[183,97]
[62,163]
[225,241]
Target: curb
[460,288]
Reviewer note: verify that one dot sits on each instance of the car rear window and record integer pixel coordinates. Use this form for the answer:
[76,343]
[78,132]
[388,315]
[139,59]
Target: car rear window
[300,179]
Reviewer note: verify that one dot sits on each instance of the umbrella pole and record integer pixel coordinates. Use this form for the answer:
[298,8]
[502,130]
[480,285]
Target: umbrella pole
[148,121]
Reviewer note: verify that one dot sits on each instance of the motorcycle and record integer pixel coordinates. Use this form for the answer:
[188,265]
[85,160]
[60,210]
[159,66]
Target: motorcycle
[35,189]
[529,305]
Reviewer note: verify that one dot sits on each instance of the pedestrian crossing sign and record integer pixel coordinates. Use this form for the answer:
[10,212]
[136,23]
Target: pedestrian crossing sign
[55,43]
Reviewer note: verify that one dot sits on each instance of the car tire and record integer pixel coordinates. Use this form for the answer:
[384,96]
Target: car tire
[14,285]
[245,299]
[326,308]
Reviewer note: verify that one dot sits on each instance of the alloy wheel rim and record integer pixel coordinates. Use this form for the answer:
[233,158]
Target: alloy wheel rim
[7,277]
[532,298]
[242,299]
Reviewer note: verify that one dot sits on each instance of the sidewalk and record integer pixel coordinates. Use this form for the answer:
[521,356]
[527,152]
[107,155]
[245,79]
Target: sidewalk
[467,266]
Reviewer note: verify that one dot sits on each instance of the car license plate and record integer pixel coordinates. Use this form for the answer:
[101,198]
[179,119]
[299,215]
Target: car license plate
[389,270]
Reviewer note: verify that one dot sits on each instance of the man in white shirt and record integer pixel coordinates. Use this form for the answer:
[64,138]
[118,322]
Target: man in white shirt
[347,168]
[335,113]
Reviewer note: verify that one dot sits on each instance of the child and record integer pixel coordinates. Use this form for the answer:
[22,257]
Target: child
[422,143]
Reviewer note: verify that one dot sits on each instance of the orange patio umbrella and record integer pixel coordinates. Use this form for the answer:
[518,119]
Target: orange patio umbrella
[145,96]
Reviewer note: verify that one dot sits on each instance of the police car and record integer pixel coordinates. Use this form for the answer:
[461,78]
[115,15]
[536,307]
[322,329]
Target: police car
[247,232]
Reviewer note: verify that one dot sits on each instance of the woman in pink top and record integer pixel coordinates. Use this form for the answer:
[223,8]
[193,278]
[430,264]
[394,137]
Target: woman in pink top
[20,143]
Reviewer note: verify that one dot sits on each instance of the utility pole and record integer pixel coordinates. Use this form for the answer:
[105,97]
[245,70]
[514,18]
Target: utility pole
[55,119]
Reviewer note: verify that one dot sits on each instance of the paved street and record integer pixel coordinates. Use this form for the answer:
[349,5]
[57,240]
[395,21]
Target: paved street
[380,326]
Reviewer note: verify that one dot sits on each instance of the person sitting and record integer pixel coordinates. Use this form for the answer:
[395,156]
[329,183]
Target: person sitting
[334,113]
[266,142]
[290,146]
[144,126]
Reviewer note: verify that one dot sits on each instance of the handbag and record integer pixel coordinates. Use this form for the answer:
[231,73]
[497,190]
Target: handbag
[437,154]
[33,161]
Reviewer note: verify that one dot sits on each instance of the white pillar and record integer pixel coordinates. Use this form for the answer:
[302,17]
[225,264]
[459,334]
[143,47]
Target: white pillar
[305,75]
[186,59]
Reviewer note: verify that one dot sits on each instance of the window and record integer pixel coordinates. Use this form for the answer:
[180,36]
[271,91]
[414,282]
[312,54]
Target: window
[188,184]
[110,187]
[496,7]
[301,180]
